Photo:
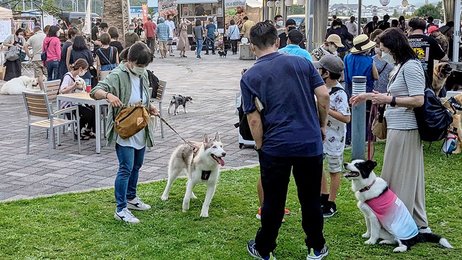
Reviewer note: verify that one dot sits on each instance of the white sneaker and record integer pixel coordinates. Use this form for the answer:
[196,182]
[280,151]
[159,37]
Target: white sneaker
[126,216]
[137,204]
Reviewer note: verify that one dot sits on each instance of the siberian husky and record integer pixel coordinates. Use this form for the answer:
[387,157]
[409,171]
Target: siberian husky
[386,215]
[201,164]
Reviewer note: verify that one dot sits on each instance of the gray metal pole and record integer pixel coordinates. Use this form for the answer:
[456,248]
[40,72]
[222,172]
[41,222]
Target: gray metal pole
[308,34]
[358,122]
[456,38]
[360,5]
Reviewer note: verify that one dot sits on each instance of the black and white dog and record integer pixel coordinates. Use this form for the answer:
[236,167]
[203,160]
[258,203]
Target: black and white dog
[179,101]
[386,216]
[223,53]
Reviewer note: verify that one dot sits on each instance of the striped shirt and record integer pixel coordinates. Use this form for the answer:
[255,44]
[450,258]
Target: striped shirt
[410,81]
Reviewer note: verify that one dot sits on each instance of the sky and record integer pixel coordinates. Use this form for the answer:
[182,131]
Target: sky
[377,2]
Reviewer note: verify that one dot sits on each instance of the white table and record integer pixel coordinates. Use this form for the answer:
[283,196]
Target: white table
[84,98]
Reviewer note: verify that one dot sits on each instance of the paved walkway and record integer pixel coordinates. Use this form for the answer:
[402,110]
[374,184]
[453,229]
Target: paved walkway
[212,82]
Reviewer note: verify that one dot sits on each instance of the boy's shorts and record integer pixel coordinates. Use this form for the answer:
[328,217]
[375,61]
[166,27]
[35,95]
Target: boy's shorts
[334,163]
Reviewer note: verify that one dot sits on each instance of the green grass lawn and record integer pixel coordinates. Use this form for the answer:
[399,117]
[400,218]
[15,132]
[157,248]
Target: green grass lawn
[76,226]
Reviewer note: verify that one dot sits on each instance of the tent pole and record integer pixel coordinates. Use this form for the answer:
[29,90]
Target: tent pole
[308,34]
[456,38]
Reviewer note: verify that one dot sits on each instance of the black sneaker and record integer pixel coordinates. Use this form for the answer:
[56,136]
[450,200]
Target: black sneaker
[329,209]
[315,254]
[254,252]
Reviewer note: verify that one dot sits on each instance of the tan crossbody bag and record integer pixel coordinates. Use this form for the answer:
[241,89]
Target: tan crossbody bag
[132,119]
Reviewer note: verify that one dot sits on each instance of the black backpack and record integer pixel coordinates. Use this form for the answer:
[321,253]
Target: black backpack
[244,128]
[153,83]
[433,118]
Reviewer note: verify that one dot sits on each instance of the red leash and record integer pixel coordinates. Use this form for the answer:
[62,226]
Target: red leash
[371,138]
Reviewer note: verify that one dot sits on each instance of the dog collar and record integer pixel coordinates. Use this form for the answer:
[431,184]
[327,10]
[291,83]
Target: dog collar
[205,175]
[368,187]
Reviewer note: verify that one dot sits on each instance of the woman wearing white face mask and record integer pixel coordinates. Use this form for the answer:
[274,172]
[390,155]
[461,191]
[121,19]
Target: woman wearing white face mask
[128,84]
[72,80]
[382,63]
[71,83]
[330,46]
[403,163]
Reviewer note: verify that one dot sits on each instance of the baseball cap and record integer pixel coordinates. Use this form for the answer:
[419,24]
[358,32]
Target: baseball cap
[432,28]
[335,39]
[331,63]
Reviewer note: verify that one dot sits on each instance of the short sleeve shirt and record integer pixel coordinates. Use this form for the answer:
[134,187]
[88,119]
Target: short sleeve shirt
[409,82]
[211,30]
[336,130]
[36,42]
[285,85]
[428,50]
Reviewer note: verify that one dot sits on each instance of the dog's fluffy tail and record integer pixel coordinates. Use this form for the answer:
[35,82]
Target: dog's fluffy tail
[434,238]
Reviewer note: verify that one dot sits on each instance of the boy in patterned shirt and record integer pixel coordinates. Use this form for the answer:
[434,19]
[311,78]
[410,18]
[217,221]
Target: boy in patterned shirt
[330,68]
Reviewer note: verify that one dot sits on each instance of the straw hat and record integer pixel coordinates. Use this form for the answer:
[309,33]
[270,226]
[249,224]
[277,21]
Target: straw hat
[336,40]
[361,43]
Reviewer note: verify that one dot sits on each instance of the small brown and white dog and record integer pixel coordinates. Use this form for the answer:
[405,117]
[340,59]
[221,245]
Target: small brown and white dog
[201,161]
[18,85]
[454,104]
[441,72]
[386,216]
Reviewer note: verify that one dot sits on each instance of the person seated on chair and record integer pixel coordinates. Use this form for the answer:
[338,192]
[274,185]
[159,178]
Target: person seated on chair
[71,83]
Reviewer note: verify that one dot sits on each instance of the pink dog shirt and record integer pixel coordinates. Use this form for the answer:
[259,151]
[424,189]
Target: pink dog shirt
[393,215]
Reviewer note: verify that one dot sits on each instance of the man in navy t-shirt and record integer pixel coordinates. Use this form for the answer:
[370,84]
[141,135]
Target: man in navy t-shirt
[288,127]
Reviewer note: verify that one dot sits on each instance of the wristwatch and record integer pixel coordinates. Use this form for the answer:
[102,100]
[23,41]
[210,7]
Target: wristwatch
[393,102]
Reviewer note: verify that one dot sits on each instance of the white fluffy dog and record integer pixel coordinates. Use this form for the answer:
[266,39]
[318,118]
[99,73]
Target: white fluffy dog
[386,215]
[201,165]
[18,85]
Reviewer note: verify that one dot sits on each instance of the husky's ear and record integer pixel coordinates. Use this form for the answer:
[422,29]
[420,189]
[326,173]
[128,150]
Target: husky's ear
[205,139]
[217,137]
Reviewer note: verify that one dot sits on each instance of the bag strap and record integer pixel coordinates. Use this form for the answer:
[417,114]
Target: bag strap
[384,67]
[141,88]
[104,56]
[46,49]
[61,82]
[110,54]
[335,90]
[394,78]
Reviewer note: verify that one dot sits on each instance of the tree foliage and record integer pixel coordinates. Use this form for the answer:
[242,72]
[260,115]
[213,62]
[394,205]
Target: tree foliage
[48,6]
[430,10]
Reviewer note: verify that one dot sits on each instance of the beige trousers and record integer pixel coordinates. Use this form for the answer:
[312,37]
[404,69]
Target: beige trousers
[403,169]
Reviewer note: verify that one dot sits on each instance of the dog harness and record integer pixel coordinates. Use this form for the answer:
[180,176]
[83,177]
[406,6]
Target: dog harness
[393,215]
[206,175]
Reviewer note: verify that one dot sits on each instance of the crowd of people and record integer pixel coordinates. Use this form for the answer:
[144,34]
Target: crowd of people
[397,60]
[296,122]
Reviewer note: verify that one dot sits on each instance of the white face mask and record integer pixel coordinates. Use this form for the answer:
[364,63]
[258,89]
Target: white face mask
[377,51]
[388,58]
[280,23]
[332,48]
[138,71]
[82,73]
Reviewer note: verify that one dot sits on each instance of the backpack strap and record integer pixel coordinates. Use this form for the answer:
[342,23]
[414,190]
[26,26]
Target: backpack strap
[104,56]
[61,82]
[335,90]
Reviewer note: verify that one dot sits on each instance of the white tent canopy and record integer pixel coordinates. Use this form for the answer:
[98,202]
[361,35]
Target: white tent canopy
[5,13]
